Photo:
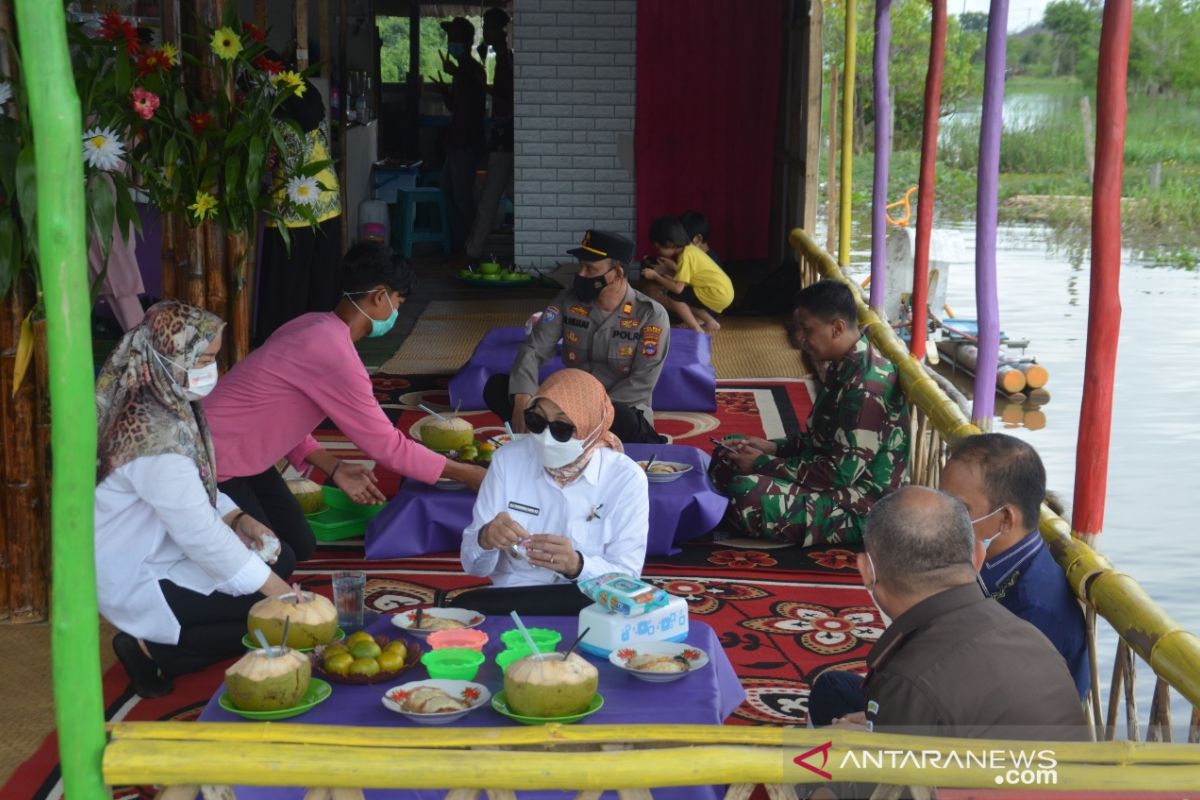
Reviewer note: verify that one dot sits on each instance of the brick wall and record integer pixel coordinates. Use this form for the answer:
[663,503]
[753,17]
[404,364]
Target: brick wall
[574,78]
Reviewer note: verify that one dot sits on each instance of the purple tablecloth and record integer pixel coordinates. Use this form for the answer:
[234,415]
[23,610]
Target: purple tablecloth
[688,381]
[421,519]
[705,698]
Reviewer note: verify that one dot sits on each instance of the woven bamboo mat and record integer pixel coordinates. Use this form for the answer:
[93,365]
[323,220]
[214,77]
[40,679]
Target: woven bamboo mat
[446,334]
[755,347]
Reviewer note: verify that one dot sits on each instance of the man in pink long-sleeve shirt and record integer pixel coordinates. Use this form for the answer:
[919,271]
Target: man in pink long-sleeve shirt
[267,406]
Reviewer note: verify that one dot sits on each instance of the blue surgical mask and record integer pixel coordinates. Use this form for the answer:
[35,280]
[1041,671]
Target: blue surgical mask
[379,327]
[457,49]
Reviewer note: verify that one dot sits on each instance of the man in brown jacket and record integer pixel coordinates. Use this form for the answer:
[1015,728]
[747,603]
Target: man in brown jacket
[953,663]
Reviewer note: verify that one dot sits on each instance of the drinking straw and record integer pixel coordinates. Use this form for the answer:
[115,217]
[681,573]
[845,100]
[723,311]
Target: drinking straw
[524,632]
[431,412]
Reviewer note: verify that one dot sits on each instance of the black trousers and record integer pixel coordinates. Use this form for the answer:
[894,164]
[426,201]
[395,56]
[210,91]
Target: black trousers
[211,625]
[267,498]
[557,600]
[629,424]
[834,694]
[302,280]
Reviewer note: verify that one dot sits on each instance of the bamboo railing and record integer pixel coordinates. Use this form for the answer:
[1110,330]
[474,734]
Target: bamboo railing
[1145,629]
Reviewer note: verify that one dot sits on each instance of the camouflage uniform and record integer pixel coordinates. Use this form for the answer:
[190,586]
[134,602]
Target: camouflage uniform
[820,484]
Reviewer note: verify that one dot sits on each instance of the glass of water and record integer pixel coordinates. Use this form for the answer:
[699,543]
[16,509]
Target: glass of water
[349,597]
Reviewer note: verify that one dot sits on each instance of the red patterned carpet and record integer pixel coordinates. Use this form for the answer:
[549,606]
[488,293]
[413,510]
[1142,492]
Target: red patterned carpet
[783,615]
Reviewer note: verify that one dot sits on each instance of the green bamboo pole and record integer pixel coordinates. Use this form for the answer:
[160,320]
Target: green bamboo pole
[58,135]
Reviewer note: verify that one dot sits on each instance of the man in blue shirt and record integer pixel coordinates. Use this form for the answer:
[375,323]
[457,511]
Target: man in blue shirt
[1002,482]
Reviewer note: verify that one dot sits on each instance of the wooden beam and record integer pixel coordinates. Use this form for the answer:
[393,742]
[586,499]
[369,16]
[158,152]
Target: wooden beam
[323,37]
[302,34]
[260,13]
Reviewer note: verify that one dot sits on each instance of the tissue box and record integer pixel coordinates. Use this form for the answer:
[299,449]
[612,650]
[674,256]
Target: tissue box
[611,631]
[624,594]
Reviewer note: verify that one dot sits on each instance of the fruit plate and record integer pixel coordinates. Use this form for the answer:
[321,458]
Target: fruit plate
[467,618]
[475,694]
[500,705]
[696,658]
[318,692]
[678,471]
[251,643]
[412,657]
[477,279]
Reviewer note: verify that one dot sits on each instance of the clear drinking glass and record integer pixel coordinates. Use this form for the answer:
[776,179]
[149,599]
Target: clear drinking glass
[349,597]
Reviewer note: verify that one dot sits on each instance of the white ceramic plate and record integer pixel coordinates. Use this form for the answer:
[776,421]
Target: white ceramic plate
[449,485]
[405,620]
[696,658]
[475,694]
[666,477]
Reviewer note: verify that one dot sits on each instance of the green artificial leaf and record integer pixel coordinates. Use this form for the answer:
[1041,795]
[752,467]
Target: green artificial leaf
[127,213]
[123,73]
[180,106]
[9,148]
[233,172]
[314,168]
[256,157]
[101,208]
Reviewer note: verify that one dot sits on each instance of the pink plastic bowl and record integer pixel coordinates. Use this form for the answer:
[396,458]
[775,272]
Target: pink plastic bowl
[469,638]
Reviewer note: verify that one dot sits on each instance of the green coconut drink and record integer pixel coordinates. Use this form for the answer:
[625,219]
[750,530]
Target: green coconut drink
[546,685]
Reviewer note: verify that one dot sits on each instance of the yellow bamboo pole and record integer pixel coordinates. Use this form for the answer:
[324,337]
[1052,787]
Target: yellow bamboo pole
[1171,651]
[1112,766]
[848,73]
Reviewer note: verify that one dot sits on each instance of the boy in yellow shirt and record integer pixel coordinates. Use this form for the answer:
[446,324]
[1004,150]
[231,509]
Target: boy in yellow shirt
[685,279]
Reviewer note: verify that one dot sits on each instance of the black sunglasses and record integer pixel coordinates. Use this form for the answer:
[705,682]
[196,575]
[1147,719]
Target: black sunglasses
[536,423]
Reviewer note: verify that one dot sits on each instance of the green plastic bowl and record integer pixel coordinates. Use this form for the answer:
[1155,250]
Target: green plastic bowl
[546,639]
[453,663]
[489,268]
[336,498]
[506,657]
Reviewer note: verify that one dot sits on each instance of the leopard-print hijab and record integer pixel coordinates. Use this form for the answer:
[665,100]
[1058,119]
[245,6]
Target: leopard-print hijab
[141,410]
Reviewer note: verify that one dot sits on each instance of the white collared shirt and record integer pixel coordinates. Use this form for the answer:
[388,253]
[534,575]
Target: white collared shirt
[154,522]
[605,512]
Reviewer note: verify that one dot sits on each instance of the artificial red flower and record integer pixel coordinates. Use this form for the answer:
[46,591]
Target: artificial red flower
[199,121]
[741,558]
[254,32]
[152,61]
[114,27]
[144,103]
[268,65]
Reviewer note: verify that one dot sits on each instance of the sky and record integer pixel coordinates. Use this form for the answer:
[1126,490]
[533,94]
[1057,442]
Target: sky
[1021,13]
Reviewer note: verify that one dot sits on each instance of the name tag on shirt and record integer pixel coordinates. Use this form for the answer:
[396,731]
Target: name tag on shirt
[515,506]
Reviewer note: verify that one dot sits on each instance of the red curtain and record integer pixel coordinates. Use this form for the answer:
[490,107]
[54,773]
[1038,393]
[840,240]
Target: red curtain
[708,76]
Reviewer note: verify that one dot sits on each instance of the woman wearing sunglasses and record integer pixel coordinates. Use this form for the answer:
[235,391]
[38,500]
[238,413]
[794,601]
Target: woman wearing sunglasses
[560,504]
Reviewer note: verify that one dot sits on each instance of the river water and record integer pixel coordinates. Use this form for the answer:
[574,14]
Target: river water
[1154,462]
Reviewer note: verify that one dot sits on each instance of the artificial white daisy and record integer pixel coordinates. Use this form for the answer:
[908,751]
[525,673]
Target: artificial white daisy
[303,191]
[5,92]
[102,149]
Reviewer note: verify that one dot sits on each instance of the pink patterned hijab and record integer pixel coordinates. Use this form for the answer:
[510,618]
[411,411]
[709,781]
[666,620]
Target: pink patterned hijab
[582,398]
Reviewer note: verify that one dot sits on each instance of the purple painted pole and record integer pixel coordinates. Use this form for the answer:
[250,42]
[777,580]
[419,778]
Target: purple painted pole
[987,306]
[883,150]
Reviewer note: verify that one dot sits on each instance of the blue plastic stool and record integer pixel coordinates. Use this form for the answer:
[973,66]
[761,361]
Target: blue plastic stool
[407,231]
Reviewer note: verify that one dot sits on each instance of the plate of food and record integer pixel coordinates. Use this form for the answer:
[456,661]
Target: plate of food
[436,702]
[318,692]
[659,662]
[421,622]
[365,659]
[665,471]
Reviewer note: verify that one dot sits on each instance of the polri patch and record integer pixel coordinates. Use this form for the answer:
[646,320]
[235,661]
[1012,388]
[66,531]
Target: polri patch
[630,324]
[651,332]
[513,505]
[549,315]
[649,349]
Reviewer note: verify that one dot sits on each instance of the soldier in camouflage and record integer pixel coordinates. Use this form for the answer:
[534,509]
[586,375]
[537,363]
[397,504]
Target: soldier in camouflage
[816,486]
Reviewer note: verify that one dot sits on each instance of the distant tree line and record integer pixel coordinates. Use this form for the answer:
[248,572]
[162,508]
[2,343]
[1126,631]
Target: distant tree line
[1164,57]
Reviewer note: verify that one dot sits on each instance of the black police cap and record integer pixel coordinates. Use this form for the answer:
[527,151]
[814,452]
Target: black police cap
[598,245]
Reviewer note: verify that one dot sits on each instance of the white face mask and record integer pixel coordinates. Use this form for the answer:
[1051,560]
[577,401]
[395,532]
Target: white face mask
[554,454]
[200,380]
[887,620]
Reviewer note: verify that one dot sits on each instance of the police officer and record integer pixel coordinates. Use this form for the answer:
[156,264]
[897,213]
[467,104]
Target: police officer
[607,328]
